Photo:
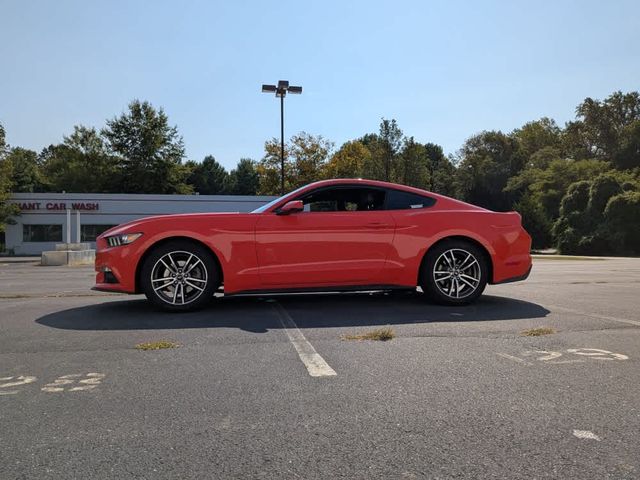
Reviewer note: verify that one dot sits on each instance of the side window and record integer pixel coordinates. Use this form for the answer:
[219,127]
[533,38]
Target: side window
[399,200]
[344,199]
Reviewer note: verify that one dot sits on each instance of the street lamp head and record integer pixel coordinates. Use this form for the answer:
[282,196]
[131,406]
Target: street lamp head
[269,88]
[296,90]
[283,84]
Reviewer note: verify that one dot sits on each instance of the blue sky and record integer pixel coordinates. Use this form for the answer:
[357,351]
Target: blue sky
[444,69]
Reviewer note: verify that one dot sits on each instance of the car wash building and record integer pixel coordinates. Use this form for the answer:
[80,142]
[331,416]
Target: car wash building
[46,219]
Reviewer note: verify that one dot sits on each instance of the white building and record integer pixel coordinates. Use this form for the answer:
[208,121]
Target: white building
[43,219]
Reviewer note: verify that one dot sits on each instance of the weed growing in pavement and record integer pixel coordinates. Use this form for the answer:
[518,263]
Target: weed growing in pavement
[538,332]
[162,344]
[379,334]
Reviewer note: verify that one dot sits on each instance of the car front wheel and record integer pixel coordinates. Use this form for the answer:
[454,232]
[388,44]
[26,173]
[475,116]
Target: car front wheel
[179,276]
[455,272]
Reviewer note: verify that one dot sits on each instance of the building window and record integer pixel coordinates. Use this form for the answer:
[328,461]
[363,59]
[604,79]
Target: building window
[42,233]
[89,233]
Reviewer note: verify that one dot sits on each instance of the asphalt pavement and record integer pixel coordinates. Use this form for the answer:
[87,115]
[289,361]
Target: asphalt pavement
[266,387]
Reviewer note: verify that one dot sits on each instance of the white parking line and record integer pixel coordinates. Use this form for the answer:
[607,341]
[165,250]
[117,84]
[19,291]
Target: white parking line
[593,315]
[316,366]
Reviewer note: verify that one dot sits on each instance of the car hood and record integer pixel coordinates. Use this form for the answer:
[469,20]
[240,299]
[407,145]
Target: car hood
[139,224]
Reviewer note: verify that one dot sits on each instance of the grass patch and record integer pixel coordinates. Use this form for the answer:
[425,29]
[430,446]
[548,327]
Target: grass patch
[379,334]
[538,332]
[161,345]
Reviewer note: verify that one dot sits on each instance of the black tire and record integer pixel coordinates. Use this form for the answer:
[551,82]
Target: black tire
[171,287]
[454,272]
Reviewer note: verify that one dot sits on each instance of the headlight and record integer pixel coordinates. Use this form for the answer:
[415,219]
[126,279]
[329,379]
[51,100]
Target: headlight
[122,239]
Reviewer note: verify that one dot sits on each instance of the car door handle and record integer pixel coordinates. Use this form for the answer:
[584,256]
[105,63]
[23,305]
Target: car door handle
[378,225]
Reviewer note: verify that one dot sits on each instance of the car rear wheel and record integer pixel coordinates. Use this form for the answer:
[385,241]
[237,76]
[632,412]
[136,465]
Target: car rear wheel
[455,272]
[179,276]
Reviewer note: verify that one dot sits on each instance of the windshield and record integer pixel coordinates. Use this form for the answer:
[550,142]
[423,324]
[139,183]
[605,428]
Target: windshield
[267,206]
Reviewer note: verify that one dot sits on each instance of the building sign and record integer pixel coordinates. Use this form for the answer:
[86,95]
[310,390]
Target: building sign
[58,206]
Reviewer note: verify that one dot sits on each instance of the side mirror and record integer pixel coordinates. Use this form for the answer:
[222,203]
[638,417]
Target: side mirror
[291,207]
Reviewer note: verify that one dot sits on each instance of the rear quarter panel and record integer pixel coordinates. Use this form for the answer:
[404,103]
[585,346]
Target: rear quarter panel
[501,235]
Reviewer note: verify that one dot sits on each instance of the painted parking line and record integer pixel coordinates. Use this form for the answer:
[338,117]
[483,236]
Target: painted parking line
[594,315]
[316,365]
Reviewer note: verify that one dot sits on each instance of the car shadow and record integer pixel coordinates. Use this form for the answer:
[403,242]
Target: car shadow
[257,314]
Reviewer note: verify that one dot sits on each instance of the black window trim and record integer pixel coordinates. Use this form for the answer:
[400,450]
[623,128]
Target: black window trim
[387,191]
[342,186]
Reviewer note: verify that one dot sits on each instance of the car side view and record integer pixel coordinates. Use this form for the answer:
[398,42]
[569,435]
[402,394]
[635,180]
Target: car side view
[333,235]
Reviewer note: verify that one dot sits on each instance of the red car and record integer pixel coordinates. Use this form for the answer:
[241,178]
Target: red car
[334,235]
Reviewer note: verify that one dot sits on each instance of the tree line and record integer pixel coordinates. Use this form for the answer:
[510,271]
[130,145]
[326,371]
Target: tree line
[576,186]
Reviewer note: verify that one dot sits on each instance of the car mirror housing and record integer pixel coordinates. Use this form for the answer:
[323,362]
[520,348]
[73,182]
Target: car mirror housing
[291,207]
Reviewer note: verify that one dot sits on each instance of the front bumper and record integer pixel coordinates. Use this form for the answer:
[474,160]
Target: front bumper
[115,268]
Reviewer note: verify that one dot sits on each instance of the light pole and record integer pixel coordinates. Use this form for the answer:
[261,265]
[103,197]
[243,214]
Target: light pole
[281,91]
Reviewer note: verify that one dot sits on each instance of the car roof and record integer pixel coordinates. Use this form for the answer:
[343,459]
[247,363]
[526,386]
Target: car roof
[445,201]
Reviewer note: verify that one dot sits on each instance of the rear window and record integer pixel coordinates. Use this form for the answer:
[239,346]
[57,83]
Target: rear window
[398,200]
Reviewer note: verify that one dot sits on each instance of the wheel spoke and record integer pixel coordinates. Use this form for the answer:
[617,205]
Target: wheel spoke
[443,278]
[161,279]
[175,294]
[473,287]
[186,263]
[193,266]
[469,277]
[188,282]
[167,266]
[175,265]
[164,285]
[467,267]
[194,279]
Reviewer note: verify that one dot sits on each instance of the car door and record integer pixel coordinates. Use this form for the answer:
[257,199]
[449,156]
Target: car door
[342,237]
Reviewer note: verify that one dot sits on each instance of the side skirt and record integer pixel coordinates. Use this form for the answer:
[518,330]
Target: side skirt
[330,289]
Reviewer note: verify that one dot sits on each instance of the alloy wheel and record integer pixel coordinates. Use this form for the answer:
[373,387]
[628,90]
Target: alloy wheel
[179,277]
[457,273]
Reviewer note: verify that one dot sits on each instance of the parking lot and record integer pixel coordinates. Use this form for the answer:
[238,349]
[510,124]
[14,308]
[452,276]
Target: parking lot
[268,387]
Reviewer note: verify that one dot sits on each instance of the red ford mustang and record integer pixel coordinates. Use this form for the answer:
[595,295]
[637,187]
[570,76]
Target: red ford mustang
[327,236]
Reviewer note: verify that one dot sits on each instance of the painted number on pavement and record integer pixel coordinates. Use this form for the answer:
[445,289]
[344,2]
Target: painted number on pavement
[75,382]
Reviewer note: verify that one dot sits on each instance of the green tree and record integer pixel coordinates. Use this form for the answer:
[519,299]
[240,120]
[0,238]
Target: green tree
[627,155]
[208,177]
[597,216]
[349,161]
[269,169]
[81,163]
[412,166]
[149,150]
[535,136]
[600,127]
[304,162]
[243,180]
[487,161]
[309,155]
[390,140]
[26,176]
[7,209]
[535,221]
[442,172]
[549,185]
[622,213]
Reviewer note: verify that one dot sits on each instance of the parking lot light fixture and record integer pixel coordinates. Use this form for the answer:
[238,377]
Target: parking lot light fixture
[281,91]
